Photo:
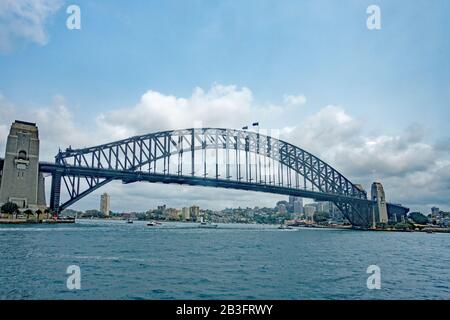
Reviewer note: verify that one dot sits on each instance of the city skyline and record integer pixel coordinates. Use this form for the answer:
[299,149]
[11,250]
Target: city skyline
[383,119]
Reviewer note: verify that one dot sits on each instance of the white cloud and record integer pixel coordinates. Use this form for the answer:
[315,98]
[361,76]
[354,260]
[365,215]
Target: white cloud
[411,170]
[24,20]
[57,127]
[326,129]
[221,106]
[294,100]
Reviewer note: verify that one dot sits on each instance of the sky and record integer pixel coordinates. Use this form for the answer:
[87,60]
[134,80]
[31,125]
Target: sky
[372,103]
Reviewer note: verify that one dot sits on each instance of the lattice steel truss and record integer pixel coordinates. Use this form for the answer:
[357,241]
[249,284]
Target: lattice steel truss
[207,156]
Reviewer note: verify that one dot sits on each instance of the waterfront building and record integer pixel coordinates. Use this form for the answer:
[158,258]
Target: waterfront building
[105,204]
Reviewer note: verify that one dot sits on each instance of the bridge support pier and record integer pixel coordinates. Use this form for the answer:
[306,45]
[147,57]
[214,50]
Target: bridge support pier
[380,209]
[358,213]
[55,193]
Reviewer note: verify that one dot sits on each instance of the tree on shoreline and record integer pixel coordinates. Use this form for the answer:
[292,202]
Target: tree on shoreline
[10,208]
[28,212]
[418,218]
[38,213]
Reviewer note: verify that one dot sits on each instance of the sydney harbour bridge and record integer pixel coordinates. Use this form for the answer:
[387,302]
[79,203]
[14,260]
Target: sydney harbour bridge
[209,157]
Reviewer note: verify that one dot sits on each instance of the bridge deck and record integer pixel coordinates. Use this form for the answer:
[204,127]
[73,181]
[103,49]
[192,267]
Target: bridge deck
[133,176]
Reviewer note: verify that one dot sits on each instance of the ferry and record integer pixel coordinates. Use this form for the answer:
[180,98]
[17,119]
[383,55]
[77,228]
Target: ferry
[207,225]
[129,221]
[285,227]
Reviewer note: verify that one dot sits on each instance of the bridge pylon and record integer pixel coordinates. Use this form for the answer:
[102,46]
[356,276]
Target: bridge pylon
[21,181]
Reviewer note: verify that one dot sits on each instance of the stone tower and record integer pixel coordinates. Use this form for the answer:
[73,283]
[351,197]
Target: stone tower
[380,209]
[21,181]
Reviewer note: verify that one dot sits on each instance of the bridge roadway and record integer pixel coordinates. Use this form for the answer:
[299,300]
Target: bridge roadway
[127,176]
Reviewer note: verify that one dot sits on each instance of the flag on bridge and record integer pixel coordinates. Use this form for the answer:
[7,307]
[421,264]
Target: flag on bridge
[245,128]
[255,124]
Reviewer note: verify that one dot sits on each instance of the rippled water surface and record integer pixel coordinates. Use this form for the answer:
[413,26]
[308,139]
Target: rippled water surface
[180,261]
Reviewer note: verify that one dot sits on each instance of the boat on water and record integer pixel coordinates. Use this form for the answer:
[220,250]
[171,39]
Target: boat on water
[153,223]
[207,225]
[129,221]
[285,227]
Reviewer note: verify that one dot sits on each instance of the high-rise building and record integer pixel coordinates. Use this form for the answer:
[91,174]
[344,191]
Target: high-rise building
[309,210]
[435,211]
[298,207]
[296,203]
[105,204]
[186,213]
[324,206]
[195,212]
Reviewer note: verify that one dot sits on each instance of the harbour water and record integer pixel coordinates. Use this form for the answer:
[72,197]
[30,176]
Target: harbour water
[180,261]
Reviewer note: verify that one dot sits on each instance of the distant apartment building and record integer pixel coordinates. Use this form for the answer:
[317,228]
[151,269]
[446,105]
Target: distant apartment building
[172,214]
[194,212]
[185,212]
[298,207]
[282,208]
[296,203]
[435,211]
[309,210]
[105,204]
[324,206]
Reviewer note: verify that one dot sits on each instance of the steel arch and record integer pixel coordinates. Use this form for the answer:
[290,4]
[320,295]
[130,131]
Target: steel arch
[133,154]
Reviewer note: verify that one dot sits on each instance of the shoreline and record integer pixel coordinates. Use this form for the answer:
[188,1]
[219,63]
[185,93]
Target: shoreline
[311,226]
[44,221]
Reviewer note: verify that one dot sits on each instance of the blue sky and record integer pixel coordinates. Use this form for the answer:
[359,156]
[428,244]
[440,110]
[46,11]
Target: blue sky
[321,48]
[388,79]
